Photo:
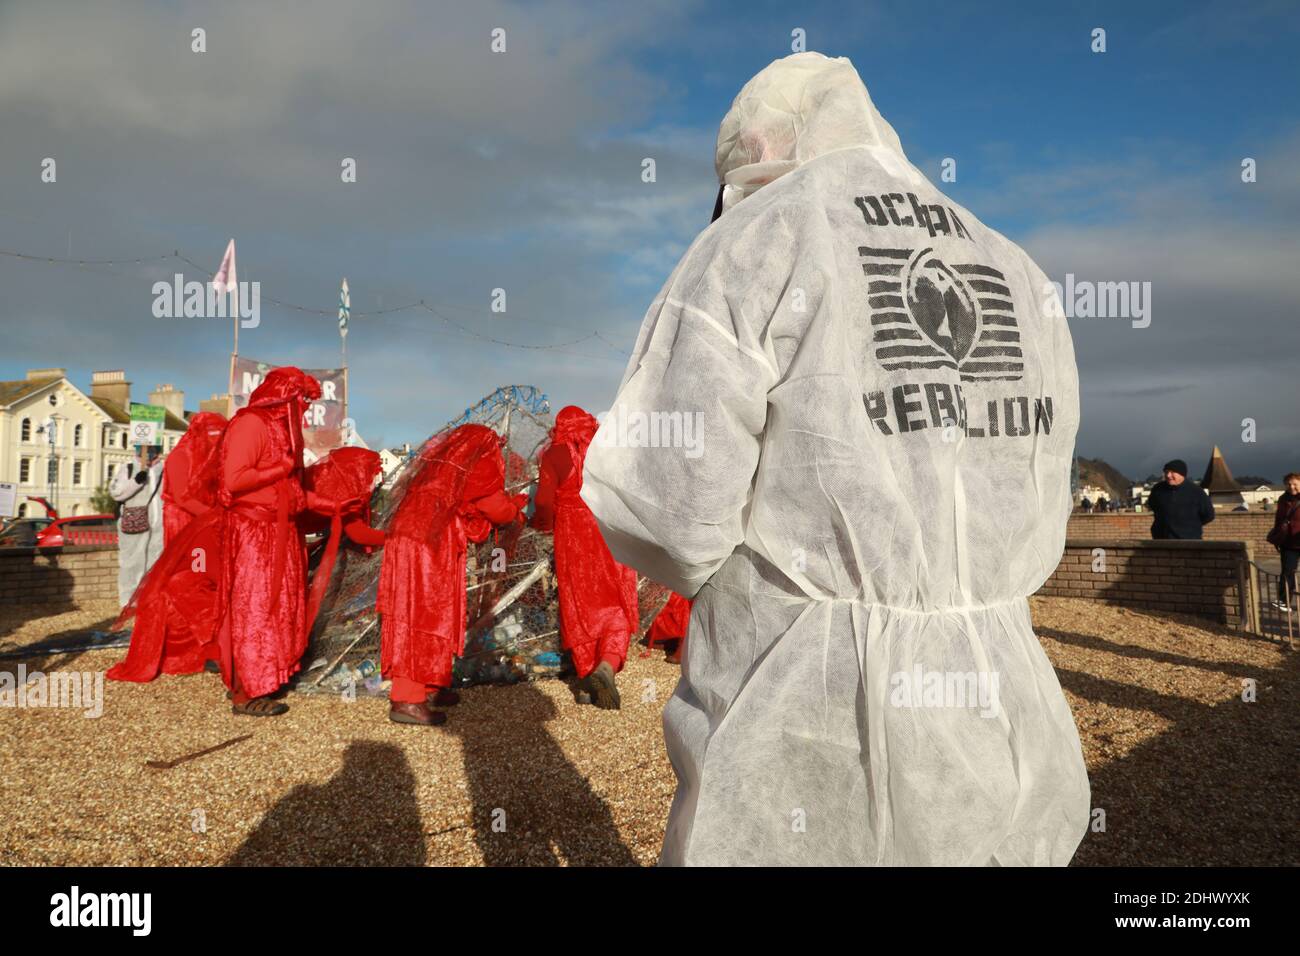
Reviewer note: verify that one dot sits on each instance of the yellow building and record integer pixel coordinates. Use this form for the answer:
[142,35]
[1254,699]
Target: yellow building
[59,443]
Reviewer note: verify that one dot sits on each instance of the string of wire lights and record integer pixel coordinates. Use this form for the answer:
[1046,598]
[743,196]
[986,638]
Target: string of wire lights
[420,304]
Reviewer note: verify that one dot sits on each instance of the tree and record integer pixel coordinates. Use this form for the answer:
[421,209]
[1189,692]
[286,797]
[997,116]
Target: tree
[103,502]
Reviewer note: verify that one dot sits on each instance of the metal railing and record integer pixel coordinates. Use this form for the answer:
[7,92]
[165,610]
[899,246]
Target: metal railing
[1270,620]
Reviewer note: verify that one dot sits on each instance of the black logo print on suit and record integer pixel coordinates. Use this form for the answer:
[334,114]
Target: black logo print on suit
[927,314]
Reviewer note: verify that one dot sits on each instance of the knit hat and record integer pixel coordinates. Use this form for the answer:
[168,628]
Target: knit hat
[1177,465]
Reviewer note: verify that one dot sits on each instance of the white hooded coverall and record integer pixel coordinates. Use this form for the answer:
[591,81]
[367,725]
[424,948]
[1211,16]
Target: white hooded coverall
[886,402]
[136,553]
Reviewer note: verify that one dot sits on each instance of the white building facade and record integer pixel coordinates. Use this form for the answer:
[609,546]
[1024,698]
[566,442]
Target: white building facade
[61,444]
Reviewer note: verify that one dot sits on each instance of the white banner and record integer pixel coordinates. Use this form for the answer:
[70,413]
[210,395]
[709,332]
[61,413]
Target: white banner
[8,499]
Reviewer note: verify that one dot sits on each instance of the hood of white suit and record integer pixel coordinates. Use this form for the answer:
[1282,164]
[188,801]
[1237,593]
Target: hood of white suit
[796,109]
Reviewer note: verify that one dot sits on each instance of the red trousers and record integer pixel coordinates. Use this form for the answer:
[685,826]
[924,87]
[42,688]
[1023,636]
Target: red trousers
[407,691]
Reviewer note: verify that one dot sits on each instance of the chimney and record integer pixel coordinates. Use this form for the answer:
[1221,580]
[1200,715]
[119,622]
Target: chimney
[217,403]
[33,374]
[169,398]
[113,386]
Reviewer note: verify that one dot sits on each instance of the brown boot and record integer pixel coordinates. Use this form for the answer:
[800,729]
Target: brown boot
[400,713]
[446,697]
[600,685]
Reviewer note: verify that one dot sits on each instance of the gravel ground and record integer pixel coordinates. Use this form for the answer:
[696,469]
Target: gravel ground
[1184,770]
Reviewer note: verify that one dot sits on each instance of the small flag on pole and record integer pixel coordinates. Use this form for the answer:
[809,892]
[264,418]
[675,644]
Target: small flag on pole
[226,279]
[345,309]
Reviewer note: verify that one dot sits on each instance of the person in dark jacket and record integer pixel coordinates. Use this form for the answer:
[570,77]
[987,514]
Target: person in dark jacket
[1285,536]
[1180,507]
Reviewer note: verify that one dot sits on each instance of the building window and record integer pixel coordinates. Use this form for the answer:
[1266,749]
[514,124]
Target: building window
[78,436]
[27,429]
[122,436]
[22,510]
[25,471]
[52,471]
[76,473]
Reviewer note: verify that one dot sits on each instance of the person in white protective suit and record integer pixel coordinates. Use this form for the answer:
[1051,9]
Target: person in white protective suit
[846,431]
[136,485]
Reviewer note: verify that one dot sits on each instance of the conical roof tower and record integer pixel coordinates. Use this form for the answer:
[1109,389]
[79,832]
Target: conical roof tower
[1218,476]
[1219,484]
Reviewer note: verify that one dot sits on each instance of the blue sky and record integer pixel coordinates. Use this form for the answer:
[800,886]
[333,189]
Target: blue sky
[522,171]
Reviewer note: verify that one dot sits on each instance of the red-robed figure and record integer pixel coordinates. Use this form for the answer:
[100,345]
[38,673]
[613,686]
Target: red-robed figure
[175,604]
[344,475]
[455,497]
[598,604]
[264,562]
[669,627]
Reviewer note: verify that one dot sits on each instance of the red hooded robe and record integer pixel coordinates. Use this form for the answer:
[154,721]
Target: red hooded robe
[264,561]
[671,623]
[455,497]
[175,604]
[598,603]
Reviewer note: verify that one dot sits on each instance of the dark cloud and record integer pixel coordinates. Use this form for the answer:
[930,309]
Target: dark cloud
[1217,363]
[476,171]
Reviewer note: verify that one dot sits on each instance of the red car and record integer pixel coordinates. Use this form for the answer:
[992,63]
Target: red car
[21,532]
[78,529]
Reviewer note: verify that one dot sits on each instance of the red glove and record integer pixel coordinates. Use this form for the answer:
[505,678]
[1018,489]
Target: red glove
[362,534]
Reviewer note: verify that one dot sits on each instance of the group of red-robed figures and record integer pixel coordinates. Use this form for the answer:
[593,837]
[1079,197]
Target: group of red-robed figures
[231,585]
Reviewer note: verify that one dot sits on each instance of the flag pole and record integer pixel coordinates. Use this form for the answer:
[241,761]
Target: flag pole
[226,281]
[345,312]
[230,387]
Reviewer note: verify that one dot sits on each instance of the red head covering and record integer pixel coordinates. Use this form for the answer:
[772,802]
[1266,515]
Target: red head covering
[451,471]
[574,427]
[201,441]
[282,385]
[344,473]
[289,388]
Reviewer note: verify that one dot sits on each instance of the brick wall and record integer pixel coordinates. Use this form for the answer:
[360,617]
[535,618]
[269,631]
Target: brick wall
[1252,526]
[67,576]
[1205,578]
